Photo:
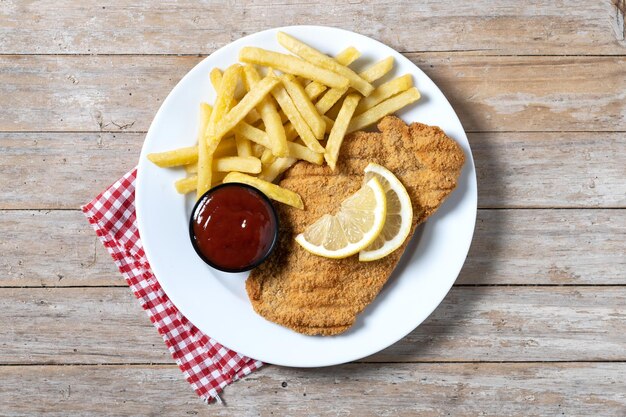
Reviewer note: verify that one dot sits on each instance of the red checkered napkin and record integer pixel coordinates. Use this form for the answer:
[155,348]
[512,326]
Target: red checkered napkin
[207,365]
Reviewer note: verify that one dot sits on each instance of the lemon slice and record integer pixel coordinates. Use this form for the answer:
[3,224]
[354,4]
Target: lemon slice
[399,214]
[357,224]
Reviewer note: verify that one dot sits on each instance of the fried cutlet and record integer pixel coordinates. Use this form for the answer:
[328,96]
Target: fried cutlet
[319,296]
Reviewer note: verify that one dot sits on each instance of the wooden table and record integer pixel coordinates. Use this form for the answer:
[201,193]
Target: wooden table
[536,323]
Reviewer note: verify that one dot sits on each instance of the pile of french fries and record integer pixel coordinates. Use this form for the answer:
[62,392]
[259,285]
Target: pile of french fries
[259,126]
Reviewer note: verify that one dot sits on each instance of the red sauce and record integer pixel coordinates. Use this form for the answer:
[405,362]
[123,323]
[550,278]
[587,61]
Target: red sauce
[233,227]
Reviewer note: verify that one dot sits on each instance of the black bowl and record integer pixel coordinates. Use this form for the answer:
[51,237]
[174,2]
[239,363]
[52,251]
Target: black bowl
[273,214]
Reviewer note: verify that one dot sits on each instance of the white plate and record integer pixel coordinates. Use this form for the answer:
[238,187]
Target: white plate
[217,302]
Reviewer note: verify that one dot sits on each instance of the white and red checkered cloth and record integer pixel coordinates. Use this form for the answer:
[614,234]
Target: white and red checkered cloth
[207,365]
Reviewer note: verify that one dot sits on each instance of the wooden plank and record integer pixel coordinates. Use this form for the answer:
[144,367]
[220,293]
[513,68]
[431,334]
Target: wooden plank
[189,27]
[567,169]
[514,169]
[570,247]
[62,170]
[535,389]
[490,93]
[107,326]
[52,248]
[563,247]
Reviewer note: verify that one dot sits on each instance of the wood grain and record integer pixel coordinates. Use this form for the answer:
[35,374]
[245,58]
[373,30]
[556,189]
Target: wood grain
[558,247]
[190,27]
[585,389]
[106,326]
[524,169]
[52,248]
[489,93]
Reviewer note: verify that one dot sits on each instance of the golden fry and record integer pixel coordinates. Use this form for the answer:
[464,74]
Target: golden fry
[175,157]
[248,164]
[273,191]
[339,129]
[186,185]
[269,114]
[384,91]
[305,107]
[317,58]
[252,133]
[302,152]
[287,105]
[377,70]
[227,147]
[384,108]
[247,103]
[272,171]
[329,123]
[192,169]
[216,79]
[329,99]
[314,89]
[345,57]
[210,140]
[348,56]
[267,157]
[291,65]
[244,147]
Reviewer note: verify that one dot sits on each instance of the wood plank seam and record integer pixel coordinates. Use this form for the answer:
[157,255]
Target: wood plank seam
[620,14]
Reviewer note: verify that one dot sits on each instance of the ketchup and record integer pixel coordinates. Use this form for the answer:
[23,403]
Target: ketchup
[233,227]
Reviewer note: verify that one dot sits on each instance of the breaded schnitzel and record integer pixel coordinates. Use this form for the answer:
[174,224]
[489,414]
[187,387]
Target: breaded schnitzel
[319,296]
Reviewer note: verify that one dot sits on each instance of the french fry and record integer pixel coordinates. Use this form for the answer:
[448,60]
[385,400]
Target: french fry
[384,91]
[269,115]
[248,164]
[210,140]
[290,132]
[317,58]
[329,99]
[304,105]
[273,191]
[348,56]
[291,65]
[252,133]
[377,70]
[332,96]
[345,57]
[339,129]
[329,123]
[247,103]
[244,147]
[257,150]
[302,152]
[192,169]
[287,105]
[314,90]
[384,108]
[216,80]
[267,157]
[175,157]
[188,184]
[272,171]
[227,147]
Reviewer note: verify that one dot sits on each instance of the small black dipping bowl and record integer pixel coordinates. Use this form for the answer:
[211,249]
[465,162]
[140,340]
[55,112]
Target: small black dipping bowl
[233,227]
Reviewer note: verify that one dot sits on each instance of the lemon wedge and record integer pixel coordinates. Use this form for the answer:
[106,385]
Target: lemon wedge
[399,214]
[358,223]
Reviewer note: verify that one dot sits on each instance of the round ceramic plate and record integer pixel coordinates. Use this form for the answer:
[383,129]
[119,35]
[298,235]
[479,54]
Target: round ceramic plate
[217,303]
